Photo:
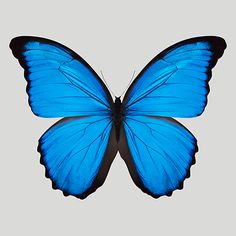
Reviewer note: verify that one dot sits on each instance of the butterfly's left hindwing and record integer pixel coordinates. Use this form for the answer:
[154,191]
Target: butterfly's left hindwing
[77,153]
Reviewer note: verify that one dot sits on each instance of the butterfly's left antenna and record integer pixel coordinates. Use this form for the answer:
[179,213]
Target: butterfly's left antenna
[106,83]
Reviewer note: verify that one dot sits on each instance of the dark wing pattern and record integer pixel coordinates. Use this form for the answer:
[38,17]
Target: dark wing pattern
[60,82]
[175,82]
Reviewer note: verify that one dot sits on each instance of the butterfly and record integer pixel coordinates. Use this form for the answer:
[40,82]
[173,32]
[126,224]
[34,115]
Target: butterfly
[78,151]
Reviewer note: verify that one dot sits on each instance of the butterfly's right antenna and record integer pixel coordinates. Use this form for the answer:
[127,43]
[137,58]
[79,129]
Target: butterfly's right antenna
[106,83]
[129,83]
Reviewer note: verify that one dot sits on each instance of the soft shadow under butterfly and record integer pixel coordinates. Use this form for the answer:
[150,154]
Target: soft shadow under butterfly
[77,151]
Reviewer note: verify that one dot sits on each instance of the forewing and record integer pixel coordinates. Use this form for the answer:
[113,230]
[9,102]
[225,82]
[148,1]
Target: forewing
[77,154]
[158,152]
[60,82]
[175,82]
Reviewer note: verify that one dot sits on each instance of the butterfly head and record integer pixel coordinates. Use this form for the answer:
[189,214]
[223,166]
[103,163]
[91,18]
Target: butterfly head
[117,108]
[117,99]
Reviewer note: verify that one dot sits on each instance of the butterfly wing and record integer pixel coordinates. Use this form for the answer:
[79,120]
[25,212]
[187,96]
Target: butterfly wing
[77,153]
[175,82]
[157,150]
[60,82]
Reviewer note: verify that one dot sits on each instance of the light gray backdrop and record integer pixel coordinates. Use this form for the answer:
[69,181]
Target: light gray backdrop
[117,37]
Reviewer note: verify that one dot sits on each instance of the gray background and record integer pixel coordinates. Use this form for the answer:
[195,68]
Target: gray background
[117,37]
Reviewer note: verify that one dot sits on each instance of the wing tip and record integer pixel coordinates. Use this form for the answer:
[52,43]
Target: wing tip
[16,44]
[219,44]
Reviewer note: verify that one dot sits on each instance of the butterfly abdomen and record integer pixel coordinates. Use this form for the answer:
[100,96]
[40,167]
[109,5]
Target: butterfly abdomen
[117,116]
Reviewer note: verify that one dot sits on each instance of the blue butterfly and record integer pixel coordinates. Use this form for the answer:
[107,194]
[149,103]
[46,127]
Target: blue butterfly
[77,151]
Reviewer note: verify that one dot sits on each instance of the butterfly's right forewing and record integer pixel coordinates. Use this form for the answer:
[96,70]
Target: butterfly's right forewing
[175,82]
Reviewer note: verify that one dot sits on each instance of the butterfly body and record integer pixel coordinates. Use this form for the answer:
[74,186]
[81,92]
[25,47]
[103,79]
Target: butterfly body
[118,116]
[78,151]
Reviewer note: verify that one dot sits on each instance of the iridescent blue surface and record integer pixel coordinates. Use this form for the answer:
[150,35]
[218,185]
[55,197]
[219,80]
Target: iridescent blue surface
[72,152]
[59,85]
[176,85]
[162,151]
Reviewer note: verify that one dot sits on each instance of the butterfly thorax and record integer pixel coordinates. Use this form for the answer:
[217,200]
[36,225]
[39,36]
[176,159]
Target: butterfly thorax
[117,116]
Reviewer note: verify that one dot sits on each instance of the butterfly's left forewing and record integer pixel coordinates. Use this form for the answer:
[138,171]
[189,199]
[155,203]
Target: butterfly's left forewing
[60,82]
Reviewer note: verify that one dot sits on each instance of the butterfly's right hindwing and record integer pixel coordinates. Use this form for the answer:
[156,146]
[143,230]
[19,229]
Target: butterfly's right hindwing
[158,153]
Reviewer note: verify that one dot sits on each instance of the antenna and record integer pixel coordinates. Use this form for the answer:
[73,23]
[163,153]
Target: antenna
[129,83]
[106,83]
